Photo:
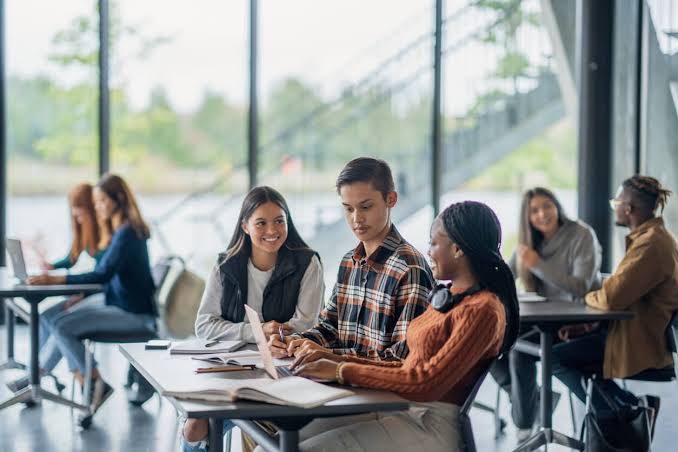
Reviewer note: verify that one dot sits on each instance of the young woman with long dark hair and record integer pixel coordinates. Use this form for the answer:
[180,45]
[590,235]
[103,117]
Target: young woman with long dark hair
[125,272]
[557,258]
[268,267]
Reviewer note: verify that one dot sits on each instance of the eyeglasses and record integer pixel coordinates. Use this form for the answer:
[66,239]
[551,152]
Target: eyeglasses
[614,203]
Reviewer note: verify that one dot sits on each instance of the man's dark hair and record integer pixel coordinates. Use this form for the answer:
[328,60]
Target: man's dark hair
[367,169]
[647,193]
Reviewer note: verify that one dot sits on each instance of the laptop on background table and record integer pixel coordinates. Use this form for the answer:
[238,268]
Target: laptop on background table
[16,256]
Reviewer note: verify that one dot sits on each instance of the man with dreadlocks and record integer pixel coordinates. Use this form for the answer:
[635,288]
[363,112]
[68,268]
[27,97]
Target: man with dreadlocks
[645,283]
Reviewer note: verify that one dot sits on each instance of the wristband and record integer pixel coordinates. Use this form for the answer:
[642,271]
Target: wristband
[339,376]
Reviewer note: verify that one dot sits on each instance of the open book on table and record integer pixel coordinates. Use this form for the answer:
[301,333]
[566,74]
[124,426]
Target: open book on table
[291,391]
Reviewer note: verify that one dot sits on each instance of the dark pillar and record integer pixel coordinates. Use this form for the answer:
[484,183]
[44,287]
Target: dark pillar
[3,139]
[253,116]
[104,100]
[436,122]
[641,62]
[594,71]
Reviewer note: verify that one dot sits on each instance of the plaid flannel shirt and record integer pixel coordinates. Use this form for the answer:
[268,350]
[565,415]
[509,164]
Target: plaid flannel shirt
[374,300]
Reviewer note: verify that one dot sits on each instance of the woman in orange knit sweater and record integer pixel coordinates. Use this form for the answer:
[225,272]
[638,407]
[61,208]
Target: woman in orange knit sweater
[468,323]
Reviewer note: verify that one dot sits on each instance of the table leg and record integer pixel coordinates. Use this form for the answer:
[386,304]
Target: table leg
[289,440]
[216,434]
[35,330]
[546,435]
[34,393]
[546,343]
[10,363]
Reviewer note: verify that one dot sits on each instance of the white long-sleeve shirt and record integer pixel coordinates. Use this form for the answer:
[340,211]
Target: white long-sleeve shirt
[210,325]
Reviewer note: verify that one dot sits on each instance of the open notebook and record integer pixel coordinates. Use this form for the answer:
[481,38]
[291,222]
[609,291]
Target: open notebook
[291,391]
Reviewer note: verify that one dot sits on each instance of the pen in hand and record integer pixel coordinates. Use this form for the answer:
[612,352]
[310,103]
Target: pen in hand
[212,343]
[281,332]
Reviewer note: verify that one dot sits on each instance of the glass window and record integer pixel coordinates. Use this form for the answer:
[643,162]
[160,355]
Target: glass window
[51,118]
[507,126]
[330,95]
[178,118]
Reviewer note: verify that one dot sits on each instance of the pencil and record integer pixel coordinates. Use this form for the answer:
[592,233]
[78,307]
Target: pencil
[205,370]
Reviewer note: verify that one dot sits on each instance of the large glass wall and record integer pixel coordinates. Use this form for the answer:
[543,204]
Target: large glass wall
[51,118]
[507,126]
[178,119]
[329,95]
[659,101]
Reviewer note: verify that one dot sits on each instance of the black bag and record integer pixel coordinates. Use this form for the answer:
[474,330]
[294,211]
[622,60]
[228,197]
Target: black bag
[621,428]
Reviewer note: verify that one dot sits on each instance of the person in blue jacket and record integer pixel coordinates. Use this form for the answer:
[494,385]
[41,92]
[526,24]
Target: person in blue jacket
[125,272]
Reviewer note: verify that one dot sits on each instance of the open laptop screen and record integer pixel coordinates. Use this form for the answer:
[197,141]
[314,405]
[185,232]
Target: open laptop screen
[260,338]
[16,255]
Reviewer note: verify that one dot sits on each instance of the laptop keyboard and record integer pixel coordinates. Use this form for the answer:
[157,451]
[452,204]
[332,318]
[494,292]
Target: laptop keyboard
[284,371]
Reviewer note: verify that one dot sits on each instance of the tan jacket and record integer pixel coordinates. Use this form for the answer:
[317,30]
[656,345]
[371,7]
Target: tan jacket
[646,283]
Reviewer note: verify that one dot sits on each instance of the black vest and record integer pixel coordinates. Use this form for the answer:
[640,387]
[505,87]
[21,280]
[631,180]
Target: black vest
[280,294]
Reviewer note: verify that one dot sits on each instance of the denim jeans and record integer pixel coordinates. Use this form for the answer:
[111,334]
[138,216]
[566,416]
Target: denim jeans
[68,328]
[578,359]
[516,373]
[227,426]
[50,354]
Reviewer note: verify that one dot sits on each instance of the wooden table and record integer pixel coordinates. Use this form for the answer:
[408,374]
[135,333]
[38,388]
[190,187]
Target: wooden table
[162,370]
[547,317]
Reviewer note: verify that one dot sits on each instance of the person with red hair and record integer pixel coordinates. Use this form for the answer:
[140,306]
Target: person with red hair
[85,239]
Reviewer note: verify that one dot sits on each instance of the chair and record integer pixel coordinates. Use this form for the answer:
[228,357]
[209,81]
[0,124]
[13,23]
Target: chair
[499,422]
[177,304]
[665,374]
[160,272]
[669,372]
[464,419]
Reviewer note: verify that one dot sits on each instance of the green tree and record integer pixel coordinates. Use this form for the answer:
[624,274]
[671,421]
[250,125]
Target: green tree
[513,64]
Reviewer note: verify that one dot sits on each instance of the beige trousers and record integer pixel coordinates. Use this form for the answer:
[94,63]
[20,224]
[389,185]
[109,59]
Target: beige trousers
[425,426]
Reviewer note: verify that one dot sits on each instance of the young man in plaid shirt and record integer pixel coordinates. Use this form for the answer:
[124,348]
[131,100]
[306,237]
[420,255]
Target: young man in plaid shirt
[381,286]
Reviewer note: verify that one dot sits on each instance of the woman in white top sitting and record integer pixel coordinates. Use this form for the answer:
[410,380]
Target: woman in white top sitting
[267,266]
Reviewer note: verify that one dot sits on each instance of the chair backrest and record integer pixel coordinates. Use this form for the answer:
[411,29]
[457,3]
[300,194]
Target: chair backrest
[672,341]
[179,304]
[159,273]
[464,419]
[468,403]
[672,333]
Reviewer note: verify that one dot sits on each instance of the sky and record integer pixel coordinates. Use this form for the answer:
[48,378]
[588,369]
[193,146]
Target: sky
[329,44]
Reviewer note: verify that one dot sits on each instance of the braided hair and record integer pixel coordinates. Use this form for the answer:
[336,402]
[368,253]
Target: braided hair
[475,228]
[647,192]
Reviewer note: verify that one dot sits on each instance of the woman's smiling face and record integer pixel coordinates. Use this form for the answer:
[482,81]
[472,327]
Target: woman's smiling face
[267,227]
[441,252]
[543,215]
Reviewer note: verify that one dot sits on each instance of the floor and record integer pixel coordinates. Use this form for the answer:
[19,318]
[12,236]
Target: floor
[119,426]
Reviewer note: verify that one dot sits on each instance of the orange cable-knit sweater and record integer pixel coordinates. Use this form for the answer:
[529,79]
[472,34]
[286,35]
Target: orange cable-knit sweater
[447,352]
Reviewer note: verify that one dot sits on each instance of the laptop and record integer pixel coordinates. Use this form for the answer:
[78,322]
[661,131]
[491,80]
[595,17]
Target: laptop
[16,255]
[273,371]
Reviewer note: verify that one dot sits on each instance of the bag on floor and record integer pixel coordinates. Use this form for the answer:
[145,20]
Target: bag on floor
[621,428]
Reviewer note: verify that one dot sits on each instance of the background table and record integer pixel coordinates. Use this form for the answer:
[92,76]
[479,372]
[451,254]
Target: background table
[547,317]
[34,295]
[162,369]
